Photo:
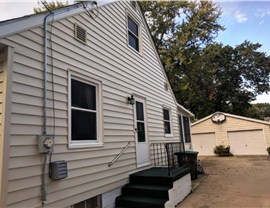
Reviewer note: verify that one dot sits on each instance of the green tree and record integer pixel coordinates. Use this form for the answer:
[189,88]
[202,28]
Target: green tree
[235,76]
[49,5]
[180,30]
[205,76]
[259,111]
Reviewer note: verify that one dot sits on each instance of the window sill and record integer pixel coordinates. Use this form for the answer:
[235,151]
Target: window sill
[135,51]
[84,145]
[168,135]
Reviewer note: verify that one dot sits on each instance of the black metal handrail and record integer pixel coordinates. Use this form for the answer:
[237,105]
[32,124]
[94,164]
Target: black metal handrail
[164,154]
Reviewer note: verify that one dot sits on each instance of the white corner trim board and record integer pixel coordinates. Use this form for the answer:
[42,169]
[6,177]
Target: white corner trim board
[181,189]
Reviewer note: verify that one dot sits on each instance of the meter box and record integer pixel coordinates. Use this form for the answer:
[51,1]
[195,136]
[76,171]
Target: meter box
[45,143]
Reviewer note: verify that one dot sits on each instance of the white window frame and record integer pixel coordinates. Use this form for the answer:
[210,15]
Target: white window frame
[99,109]
[181,129]
[128,15]
[171,126]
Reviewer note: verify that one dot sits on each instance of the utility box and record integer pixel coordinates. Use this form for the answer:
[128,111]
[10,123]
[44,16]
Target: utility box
[188,158]
[45,143]
[58,170]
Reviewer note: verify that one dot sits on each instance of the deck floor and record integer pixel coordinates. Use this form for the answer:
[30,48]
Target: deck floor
[162,172]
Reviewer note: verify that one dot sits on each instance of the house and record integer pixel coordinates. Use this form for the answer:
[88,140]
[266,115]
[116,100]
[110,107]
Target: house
[245,136]
[82,89]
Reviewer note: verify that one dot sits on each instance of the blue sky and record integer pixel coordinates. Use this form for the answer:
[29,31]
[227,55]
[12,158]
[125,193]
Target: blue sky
[246,21]
[243,20]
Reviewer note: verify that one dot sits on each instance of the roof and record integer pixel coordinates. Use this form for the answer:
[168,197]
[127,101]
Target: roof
[12,26]
[185,110]
[16,25]
[232,116]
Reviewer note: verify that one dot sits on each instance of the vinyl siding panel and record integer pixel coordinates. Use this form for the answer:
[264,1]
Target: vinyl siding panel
[2,82]
[106,58]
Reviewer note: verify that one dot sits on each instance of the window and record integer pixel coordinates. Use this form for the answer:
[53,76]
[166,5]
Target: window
[140,121]
[133,34]
[167,122]
[181,128]
[89,203]
[186,129]
[85,111]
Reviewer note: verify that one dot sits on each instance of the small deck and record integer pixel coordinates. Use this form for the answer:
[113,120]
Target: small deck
[160,174]
[150,188]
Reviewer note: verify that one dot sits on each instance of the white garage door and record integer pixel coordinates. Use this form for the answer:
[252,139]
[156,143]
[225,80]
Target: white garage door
[247,142]
[204,143]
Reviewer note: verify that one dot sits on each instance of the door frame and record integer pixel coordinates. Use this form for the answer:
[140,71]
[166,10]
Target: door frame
[146,143]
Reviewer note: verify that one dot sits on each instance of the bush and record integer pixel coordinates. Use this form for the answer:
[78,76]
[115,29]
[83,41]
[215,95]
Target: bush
[223,151]
[268,150]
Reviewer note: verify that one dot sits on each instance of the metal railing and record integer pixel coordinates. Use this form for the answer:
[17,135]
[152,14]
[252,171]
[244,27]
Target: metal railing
[120,154]
[164,154]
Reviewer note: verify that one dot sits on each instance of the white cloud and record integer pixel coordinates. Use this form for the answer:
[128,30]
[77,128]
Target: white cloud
[260,14]
[240,16]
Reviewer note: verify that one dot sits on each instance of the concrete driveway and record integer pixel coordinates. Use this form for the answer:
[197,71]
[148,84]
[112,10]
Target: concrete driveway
[232,182]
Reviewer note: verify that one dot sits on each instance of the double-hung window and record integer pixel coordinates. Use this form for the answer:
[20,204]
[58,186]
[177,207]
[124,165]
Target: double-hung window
[133,34]
[85,112]
[167,121]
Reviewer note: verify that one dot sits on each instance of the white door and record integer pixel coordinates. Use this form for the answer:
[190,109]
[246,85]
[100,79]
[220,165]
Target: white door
[204,143]
[142,148]
[247,142]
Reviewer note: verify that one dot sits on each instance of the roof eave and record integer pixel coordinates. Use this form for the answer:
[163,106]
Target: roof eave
[12,26]
[185,110]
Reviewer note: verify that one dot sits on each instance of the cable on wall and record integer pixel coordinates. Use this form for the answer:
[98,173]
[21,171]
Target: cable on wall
[93,13]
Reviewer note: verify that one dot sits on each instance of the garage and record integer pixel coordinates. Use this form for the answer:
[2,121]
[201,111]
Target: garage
[247,142]
[245,136]
[204,143]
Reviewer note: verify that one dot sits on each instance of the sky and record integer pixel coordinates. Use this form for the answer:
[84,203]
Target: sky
[243,20]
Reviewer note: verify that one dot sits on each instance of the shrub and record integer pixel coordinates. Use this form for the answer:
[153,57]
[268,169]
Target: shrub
[222,150]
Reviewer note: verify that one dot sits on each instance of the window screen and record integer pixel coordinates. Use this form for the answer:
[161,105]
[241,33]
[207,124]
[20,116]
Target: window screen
[167,123]
[133,34]
[83,111]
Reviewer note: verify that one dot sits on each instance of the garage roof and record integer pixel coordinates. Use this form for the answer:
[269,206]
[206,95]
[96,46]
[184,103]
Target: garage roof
[232,116]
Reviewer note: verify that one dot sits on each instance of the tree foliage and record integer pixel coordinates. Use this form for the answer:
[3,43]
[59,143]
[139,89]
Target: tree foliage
[259,111]
[230,78]
[205,76]
[49,5]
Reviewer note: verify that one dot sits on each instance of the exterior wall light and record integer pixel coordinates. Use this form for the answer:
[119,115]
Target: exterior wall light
[131,100]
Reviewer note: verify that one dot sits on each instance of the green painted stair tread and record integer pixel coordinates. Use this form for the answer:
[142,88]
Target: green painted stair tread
[146,190]
[163,172]
[139,202]
[158,176]
[149,187]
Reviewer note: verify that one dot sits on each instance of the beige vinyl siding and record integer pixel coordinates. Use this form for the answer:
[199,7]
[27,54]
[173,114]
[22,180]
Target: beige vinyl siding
[107,58]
